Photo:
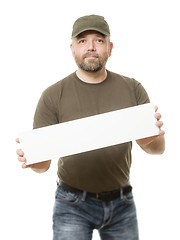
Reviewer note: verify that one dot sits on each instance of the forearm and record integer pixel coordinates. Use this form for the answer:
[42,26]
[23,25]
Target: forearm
[40,167]
[157,146]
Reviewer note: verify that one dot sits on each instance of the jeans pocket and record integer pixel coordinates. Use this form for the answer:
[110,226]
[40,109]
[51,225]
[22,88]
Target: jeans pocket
[128,198]
[67,197]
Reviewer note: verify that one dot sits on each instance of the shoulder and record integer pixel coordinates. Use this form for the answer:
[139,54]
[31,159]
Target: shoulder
[58,86]
[131,82]
[134,87]
[55,90]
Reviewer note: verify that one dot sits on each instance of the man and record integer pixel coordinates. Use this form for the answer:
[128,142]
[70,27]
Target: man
[93,191]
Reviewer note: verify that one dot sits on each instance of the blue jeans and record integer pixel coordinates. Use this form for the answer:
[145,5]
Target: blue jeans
[75,216]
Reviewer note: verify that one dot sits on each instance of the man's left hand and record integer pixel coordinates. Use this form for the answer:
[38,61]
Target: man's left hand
[147,143]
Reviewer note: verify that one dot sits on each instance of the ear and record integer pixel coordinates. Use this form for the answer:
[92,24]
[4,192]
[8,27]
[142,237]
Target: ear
[72,50]
[110,48]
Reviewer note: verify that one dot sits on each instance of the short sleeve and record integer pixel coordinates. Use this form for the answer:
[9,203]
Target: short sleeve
[141,94]
[45,113]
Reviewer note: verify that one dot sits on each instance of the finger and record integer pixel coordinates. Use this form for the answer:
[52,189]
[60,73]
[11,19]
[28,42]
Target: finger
[159,124]
[21,159]
[27,166]
[17,140]
[24,166]
[20,152]
[158,116]
[156,108]
[161,133]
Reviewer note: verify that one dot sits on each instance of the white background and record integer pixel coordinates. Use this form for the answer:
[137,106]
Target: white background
[35,53]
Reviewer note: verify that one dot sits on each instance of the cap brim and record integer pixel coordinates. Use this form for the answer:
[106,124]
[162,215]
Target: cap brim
[92,28]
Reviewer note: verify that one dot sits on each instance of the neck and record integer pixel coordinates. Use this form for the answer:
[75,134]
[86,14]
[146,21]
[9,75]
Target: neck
[92,77]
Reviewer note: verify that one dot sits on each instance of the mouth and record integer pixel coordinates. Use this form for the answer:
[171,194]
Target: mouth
[91,56]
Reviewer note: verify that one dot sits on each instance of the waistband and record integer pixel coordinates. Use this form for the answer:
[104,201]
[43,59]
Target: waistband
[102,196]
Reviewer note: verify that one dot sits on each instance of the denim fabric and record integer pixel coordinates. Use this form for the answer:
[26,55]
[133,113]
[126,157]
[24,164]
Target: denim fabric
[75,216]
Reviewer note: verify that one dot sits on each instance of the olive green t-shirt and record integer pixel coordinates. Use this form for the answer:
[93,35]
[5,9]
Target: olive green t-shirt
[103,169]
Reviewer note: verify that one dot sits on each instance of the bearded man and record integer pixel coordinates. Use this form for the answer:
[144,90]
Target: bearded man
[94,190]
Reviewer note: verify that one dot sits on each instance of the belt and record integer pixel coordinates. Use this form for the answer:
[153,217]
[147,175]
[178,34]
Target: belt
[102,196]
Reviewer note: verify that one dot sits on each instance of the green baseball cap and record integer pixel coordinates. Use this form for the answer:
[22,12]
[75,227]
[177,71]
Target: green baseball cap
[90,22]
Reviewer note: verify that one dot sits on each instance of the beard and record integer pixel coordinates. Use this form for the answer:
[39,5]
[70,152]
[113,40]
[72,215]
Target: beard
[91,65]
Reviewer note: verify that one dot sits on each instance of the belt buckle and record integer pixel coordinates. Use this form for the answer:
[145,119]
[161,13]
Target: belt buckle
[102,197]
[97,197]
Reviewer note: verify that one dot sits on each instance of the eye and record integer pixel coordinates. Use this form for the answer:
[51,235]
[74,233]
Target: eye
[82,41]
[100,41]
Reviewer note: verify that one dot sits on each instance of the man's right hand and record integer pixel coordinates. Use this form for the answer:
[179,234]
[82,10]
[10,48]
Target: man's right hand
[21,157]
[37,167]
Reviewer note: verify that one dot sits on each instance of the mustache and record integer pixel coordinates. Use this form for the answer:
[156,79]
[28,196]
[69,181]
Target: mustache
[90,54]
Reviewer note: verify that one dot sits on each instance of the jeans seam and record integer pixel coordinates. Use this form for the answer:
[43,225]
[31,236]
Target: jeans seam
[79,198]
[110,218]
[68,202]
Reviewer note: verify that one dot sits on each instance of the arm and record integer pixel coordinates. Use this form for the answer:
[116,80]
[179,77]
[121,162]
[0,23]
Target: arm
[37,167]
[45,115]
[155,144]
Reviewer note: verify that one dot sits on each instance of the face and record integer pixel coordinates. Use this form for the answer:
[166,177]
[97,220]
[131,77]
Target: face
[91,51]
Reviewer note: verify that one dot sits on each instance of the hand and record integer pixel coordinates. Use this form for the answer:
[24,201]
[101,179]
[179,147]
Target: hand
[37,167]
[159,123]
[145,141]
[21,157]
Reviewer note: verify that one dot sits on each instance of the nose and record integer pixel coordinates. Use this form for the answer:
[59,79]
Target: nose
[91,46]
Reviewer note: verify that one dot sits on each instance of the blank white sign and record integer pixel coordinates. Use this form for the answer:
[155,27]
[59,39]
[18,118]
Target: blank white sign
[89,133]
